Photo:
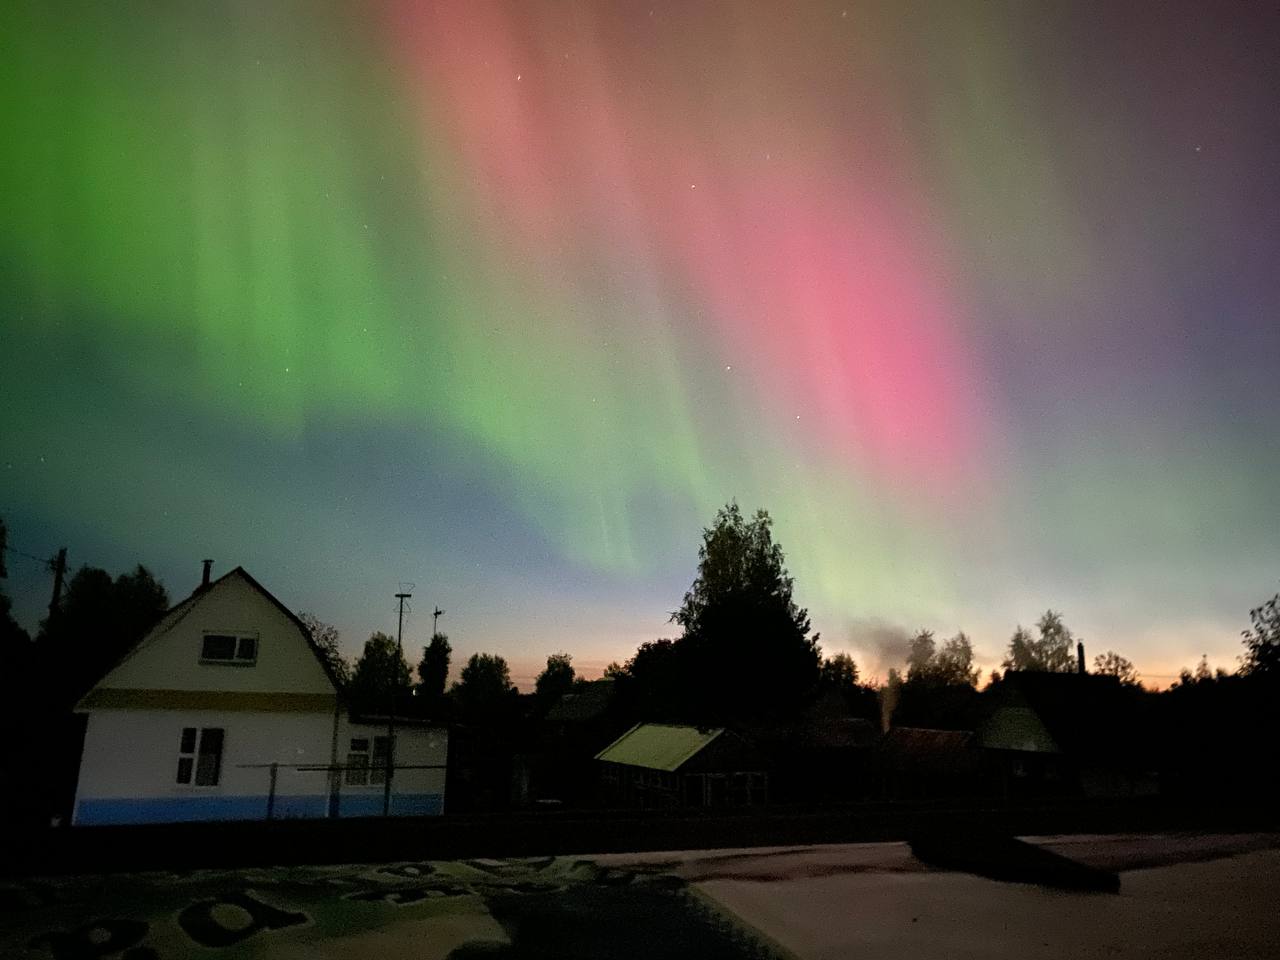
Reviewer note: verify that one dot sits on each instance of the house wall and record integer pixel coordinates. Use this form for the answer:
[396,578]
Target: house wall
[413,792]
[281,708]
[128,769]
[171,661]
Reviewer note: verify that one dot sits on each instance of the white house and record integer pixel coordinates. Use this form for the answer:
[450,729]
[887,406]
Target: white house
[226,710]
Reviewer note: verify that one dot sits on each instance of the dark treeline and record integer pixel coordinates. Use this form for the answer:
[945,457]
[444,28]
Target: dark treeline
[96,620]
[743,657]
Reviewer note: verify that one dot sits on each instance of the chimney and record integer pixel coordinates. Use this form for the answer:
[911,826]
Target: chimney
[1080,659]
[204,579]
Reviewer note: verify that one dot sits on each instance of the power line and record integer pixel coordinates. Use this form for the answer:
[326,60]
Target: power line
[10,548]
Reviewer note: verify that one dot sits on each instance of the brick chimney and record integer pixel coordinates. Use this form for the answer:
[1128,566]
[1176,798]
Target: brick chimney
[1080,659]
[204,579]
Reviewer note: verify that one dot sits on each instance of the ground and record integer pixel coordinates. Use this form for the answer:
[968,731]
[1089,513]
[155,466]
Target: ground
[1180,896]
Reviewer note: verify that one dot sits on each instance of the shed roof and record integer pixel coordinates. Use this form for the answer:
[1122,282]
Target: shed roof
[658,746]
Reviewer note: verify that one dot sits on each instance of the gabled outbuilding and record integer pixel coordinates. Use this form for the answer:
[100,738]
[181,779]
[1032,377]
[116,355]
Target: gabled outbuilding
[1070,733]
[666,765]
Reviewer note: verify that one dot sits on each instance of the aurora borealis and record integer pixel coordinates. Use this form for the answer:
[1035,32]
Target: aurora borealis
[979,300]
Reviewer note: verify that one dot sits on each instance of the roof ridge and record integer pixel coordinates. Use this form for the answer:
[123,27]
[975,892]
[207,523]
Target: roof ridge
[165,624]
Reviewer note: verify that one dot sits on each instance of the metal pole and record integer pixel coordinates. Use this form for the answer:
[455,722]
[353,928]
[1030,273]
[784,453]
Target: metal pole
[271,794]
[59,566]
[391,711]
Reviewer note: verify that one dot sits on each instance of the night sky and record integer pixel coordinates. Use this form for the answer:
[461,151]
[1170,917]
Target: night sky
[980,300]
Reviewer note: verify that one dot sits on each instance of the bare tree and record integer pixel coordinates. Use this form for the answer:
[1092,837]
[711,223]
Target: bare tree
[327,641]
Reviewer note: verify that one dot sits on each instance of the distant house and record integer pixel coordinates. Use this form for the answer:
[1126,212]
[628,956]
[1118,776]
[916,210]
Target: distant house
[823,755]
[226,710]
[584,704]
[665,765]
[920,763]
[575,729]
[1070,733]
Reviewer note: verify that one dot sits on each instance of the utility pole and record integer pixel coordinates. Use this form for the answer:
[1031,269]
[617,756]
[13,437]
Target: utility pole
[59,567]
[391,711]
[435,621]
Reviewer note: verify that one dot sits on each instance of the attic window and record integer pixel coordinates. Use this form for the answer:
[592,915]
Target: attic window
[229,648]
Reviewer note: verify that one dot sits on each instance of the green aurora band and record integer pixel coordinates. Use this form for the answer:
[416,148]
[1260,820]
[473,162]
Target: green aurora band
[268,221]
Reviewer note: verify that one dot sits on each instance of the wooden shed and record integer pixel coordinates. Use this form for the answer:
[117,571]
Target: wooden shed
[668,765]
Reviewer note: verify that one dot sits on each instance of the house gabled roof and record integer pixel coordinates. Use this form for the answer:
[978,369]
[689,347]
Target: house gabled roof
[923,742]
[584,703]
[658,746]
[179,611]
[1085,716]
[842,733]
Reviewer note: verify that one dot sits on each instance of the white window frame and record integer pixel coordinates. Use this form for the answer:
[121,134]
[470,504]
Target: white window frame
[244,651]
[366,767]
[192,757]
[378,760]
[357,769]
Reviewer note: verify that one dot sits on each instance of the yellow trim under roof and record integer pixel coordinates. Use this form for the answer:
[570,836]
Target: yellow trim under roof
[118,699]
[658,746]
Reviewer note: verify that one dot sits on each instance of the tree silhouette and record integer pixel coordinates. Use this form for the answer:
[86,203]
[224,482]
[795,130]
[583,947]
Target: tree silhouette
[1262,641]
[484,691]
[12,637]
[746,649]
[920,658]
[380,673]
[939,689]
[614,671]
[14,641]
[97,622]
[839,672]
[654,682]
[1051,652]
[1203,672]
[557,679]
[952,665]
[1021,655]
[327,641]
[1111,664]
[433,668]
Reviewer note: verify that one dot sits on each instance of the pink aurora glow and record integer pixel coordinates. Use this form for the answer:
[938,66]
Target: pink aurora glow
[822,273]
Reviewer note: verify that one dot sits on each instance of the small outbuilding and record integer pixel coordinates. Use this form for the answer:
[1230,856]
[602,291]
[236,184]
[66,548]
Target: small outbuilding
[917,763]
[1070,733]
[669,765]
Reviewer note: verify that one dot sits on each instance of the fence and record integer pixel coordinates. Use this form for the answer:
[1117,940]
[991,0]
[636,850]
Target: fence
[338,778]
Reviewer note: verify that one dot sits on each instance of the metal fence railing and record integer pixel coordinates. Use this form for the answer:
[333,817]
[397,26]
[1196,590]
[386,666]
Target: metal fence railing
[338,774]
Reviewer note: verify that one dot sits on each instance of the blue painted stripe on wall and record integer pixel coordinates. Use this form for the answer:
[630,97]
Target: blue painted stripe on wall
[186,809]
[402,805]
